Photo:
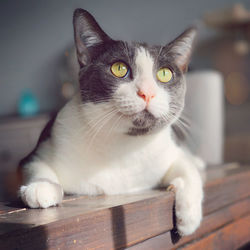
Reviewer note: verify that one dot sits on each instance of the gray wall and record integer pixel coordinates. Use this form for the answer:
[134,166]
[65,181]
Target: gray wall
[35,34]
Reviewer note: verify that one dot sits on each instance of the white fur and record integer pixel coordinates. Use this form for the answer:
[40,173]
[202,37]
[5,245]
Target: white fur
[126,98]
[89,153]
[185,177]
[41,193]
[91,38]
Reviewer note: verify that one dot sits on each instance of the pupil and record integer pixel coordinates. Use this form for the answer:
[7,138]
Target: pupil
[164,73]
[119,67]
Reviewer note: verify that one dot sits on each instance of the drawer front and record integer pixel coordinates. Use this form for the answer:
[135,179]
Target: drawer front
[17,143]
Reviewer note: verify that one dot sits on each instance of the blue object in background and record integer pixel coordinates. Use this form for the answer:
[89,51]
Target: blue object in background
[28,104]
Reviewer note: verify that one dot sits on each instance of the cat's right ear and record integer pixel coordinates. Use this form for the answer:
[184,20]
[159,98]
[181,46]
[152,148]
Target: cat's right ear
[87,35]
[181,48]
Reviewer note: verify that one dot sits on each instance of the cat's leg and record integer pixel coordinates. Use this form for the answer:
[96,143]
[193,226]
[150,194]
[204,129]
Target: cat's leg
[185,176]
[42,188]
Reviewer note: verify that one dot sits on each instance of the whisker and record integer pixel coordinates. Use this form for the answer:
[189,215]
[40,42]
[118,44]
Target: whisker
[95,122]
[114,125]
[104,122]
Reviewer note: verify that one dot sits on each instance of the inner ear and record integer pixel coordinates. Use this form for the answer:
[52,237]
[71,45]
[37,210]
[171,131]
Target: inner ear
[181,48]
[88,34]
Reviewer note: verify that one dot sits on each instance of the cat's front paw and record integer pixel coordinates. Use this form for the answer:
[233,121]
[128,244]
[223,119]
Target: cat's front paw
[188,219]
[188,209]
[41,194]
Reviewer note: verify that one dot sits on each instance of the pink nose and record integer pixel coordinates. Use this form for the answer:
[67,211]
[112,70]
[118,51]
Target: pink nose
[147,97]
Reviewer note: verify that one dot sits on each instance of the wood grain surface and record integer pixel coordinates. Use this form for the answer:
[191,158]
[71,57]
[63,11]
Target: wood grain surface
[138,221]
[210,223]
[232,236]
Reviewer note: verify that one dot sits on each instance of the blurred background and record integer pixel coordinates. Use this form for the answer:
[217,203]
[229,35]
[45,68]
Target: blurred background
[38,70]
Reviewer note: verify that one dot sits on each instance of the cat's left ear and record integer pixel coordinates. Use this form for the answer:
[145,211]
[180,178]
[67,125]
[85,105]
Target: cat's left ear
[181,48]
[88,34]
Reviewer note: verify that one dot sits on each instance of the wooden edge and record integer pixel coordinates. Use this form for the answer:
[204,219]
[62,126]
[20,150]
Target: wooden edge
[108,228]
[8,210]
[109,225]
[209,224]
[218,176]
[232,236]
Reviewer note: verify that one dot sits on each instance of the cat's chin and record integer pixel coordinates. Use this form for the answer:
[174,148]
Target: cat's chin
[144,123]
[140,131]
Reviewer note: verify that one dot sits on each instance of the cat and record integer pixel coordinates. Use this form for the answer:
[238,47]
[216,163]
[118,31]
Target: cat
[115,136]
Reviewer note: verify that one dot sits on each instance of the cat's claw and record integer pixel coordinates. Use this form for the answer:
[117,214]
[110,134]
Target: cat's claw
[171,188]
[41,194]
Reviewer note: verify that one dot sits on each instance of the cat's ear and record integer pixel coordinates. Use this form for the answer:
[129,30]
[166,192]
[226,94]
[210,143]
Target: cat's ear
[181,48]
[87,34]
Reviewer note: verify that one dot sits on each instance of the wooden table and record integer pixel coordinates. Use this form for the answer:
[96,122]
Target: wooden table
[137,221]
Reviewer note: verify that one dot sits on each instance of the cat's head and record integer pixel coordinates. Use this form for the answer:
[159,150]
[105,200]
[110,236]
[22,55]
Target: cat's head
[135,88]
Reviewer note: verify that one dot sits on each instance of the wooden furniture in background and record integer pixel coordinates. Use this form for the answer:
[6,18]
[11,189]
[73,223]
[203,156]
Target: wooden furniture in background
[18,137]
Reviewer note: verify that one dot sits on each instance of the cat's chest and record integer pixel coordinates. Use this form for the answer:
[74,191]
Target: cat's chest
[127,167]
[135,172]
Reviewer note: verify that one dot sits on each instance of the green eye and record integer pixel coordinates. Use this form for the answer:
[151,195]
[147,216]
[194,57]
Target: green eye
[119,69]
[164,75]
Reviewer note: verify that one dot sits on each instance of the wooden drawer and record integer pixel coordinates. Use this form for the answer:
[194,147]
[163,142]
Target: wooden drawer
[17,138]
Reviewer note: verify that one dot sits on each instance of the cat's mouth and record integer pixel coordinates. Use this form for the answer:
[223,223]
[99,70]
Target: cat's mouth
[142,123]
[146,123]
[143,119]
[140,119]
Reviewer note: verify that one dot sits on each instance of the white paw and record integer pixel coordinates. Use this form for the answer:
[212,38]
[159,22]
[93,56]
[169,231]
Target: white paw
[188,217]
[188,208]
[41,194]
